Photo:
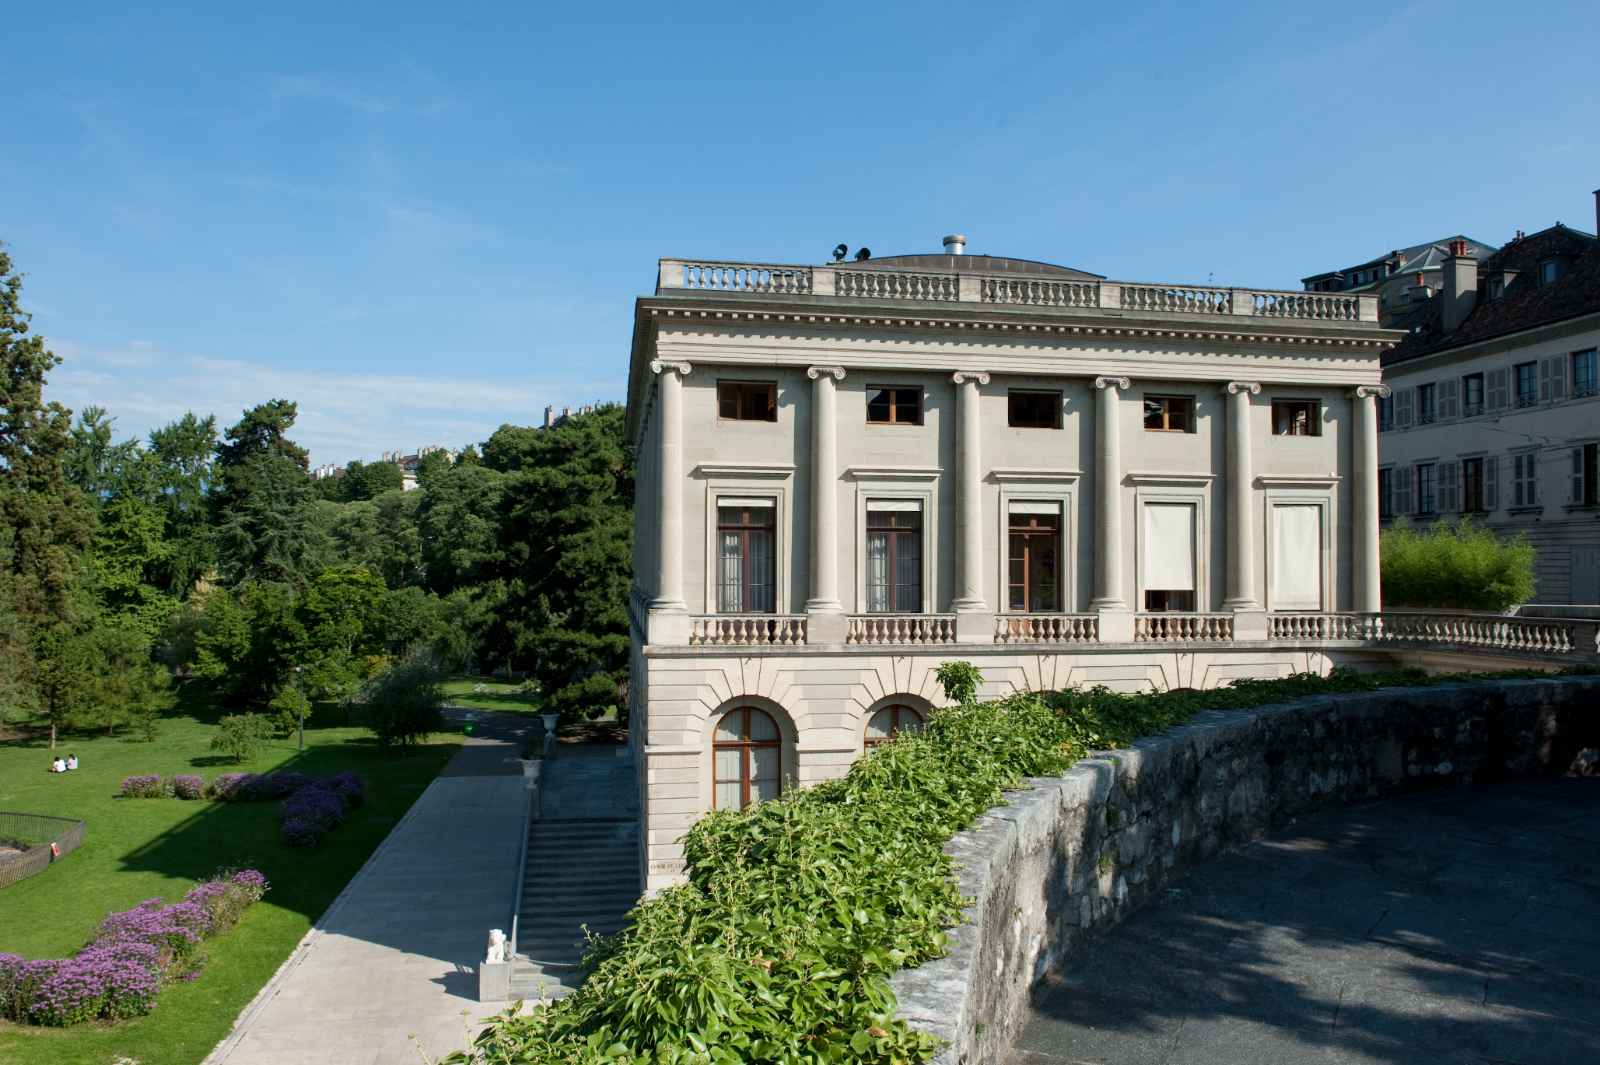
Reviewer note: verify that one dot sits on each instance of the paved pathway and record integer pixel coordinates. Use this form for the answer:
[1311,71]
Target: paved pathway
[1452,927]
[390,968]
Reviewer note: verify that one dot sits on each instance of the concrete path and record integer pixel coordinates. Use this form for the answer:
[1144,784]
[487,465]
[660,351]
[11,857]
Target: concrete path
[389,970]
[1452,927]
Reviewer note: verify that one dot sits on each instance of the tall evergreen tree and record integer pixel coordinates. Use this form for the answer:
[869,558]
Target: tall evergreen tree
[265,528]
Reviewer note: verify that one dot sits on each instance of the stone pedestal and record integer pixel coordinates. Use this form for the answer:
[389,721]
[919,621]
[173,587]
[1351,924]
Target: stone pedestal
[1249,625]
[1116,624]
[494,981]
[826,627]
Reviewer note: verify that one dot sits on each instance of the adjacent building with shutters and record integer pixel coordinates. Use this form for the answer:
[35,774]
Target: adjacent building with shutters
[848,474]
[1495,405]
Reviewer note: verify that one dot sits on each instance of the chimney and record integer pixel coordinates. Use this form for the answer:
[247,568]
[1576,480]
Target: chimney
[956,243]
[549,416]
[1460,289]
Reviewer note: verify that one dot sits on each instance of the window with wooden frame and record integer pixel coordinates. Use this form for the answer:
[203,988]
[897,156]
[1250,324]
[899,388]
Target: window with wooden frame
[1585,374]
[894,556]
[1169,414]
[1472,495]
[889,722]
[747,566]
[1426,476]
[1471,395]
[1385,494]
[1427,404]
[1385,413]
[747,401]
[1034,559]
[1296,417]
[1027,409]
[1526,375]
[1585,491]
[746,759]
[894,405]
[1525,479]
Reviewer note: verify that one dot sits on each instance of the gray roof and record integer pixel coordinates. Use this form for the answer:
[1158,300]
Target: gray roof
[1429,256]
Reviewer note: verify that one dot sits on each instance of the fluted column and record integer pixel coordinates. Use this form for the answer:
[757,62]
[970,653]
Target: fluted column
[974,622]
[669,498]
[1241,574]
[825,614]
[1108,498]
[1366,584]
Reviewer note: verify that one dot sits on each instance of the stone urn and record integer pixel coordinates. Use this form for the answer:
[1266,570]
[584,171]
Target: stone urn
[550,723]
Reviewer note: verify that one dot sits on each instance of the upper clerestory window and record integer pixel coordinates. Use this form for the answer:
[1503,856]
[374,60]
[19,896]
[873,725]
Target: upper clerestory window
[747,401]
[894,406]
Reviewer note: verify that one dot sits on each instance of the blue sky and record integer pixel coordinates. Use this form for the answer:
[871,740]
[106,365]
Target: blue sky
[421,221]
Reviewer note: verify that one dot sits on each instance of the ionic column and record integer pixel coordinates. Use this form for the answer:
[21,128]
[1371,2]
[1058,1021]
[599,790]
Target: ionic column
[669,498]
[1241,574]
[825,614]
[1366,583]
[1108,502]
[979,625]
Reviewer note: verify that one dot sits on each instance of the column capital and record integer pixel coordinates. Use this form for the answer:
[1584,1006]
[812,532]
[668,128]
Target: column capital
[1370,392]
[677,366]
[961,377]
[1233,388]
[836,372]
[1121,383]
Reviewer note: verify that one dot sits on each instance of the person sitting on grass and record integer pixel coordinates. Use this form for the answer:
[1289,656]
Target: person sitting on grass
[58,765]
[72,761]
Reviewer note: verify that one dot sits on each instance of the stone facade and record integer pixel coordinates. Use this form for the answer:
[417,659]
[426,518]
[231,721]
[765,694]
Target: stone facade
[1073,855]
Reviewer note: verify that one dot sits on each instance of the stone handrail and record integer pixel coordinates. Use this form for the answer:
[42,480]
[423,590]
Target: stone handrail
[1009,289]
[901,629]
[1320,626]
[1182,628]
[747,630]
[1046,628]
[1490,631]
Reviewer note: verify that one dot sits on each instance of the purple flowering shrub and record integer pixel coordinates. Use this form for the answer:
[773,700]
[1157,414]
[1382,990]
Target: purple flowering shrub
[142,786]
[133,954]
[315,810]
[189,786]
[226,786]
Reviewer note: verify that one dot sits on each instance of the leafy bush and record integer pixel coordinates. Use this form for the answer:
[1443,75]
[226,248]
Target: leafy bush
[226,786]
[289,708]
[402,703]
[142,786]
[189,786]
[960,681]
[241,735]
[1462,566]
[133,954]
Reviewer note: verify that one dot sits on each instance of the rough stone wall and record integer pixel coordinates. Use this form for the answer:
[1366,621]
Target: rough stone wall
[1069,857]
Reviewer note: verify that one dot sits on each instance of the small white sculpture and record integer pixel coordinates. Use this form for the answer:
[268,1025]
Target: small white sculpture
[497,947]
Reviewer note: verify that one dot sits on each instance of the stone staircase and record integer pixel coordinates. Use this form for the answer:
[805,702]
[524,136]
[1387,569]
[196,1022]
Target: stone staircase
[581,871]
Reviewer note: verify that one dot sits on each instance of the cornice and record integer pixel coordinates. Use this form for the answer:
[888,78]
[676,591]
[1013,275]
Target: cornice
[744,469]
[1028,476]
[1167,477]
[1297,482]
[893,473]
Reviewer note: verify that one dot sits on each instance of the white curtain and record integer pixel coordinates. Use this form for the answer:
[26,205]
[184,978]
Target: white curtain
[1296,557]
[1168,557]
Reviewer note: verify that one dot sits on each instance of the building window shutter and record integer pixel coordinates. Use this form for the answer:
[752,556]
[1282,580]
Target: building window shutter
[1447,398]
[1558,377]
[1491,466]
[1575,491]
[1449,487]
[1544,380]
[1499,389]
[1402,490]
[1404,401]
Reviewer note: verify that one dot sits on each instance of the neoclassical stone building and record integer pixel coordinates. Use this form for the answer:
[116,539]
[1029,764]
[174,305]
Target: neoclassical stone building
[848,474]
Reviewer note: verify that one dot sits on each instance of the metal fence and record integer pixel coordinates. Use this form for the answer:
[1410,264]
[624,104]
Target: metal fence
[42,840]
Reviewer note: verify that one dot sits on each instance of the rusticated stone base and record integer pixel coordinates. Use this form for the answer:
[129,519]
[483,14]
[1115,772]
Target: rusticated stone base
[1073,855]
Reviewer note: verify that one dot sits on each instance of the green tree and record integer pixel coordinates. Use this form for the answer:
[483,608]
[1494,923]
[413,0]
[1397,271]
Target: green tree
[129,689]
[342,616]
[402,703]
[264,503]
[65,677]
[1460,566]
[181,455]
[458,526]
[241,735]
[363,480]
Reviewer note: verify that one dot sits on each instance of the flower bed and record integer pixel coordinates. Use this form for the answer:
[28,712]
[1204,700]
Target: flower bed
[143,786]
[312,806]
[133,954]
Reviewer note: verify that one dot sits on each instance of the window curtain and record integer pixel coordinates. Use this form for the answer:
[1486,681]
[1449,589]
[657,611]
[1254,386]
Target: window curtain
[1296,558]
[878,572]
[1168,556]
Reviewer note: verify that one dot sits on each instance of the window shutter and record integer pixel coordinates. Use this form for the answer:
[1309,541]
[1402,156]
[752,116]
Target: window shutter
[1491,466]
[1404,400]
[1447,398]
[1544,380]
[1533,478]
[1449,487]
[1575,490]
[1558,377]
[1403,500]
[1499,389]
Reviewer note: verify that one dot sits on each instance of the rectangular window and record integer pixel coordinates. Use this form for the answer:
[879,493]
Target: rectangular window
[1167,558]
[1385,413]
[1169,414]
[1471,395]
[1034,561]
[1296,557]
[1525,479]
[1033,410]
[1527,383]
[747,401]
[1296,417]
[1385,494]
[894,406]
[1472,486]
[1585,460]
[1427,406]
[1550,271]
[1427,481]
[1584,381]
[894,556]
[747,562]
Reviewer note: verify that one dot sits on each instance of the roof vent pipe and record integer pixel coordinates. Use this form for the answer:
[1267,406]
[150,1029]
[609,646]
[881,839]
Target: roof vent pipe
[955,244]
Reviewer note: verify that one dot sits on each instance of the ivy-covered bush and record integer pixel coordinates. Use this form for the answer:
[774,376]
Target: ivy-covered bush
[133,954]
[1461,566]
[142,786]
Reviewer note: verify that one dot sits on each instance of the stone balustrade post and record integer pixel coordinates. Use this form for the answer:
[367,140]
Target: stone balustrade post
[669,613]
[825,619]
[1366,582]
[974,618]
[1116,620]
[1249,619]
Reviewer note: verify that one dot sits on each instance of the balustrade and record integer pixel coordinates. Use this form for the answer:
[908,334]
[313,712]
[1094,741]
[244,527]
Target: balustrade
[872,629]
[1313,305]
[1179,298]
[746,277]
[897,285]
[1321,627]
[1183,628]
[747,630]
[1490,631]
[1035,293]
[1046,628]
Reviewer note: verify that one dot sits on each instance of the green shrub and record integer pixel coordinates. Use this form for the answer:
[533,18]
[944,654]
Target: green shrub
[960,681]
[402,703]
[1462,566]
[241,735]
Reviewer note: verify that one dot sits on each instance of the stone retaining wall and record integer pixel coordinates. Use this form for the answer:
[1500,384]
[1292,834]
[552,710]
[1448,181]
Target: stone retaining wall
[1073,855]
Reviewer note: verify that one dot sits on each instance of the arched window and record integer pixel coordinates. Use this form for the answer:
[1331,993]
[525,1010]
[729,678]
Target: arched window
[889,722]
[747,759]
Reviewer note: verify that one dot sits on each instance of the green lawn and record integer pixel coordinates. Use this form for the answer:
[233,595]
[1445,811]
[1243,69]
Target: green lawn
[487,693]
[138,848]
